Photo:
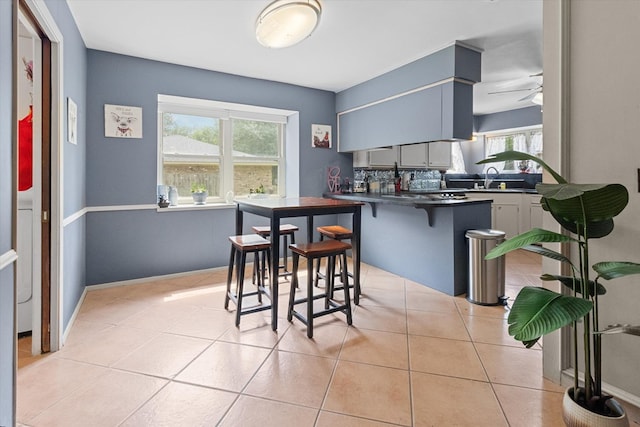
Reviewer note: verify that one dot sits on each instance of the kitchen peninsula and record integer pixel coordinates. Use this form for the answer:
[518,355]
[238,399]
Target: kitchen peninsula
[420,236]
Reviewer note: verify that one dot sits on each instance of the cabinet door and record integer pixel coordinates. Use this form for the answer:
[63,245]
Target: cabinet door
[383,157]
[506,218]
[360,159]
[439,155]
[536,215]
[414,155]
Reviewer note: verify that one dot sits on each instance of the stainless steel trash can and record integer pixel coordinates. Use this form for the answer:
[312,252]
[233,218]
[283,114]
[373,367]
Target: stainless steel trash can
[486,277]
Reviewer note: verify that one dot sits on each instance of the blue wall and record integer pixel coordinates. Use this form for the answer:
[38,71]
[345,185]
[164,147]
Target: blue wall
[129,244]
[7,297]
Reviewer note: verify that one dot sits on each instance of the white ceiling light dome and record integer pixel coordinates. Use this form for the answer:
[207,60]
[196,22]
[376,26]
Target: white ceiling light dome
[285,23]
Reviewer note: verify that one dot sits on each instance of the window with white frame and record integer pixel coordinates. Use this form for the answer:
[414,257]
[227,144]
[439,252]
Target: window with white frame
[528,141]
[220,147]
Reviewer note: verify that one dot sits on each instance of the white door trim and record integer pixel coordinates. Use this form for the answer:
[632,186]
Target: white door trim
[46,22]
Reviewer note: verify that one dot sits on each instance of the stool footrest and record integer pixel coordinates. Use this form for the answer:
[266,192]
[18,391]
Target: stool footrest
[334,308]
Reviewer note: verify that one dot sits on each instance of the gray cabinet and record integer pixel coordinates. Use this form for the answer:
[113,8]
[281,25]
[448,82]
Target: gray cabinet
[442,112]
[439,155]
[415,155]
[432,155]
[535,212]
[386,157]
[360,159]
[415,117]
[506,217]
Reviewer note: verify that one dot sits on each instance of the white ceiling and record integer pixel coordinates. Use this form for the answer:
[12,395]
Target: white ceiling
[355,40]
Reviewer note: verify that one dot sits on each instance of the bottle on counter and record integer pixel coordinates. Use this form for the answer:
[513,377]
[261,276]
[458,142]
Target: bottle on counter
[173,196]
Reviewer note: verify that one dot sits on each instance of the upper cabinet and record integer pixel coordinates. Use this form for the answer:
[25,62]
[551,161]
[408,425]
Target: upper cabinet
[433,155]
[430,99]
[415,155]
[411,118]
[387,157]
[439,155]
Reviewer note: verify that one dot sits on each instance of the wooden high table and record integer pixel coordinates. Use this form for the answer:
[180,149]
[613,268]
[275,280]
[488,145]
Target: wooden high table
[276,209]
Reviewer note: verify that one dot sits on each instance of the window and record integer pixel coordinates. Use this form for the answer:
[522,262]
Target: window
[221,147]
[528,141]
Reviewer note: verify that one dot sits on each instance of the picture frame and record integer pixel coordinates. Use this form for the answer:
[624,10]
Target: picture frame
[321,136]
[121,121]
[72,121]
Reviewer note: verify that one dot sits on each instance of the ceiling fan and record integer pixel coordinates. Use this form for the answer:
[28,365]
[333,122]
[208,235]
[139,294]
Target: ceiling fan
[535,96]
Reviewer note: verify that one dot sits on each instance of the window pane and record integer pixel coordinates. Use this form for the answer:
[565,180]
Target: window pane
[256,148]
[255,178]
[191,153]
[254,138]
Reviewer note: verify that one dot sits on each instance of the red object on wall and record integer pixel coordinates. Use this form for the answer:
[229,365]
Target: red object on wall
[25,152]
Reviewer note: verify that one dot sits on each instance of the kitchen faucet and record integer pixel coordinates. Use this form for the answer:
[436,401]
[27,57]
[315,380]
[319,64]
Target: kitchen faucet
[487,181]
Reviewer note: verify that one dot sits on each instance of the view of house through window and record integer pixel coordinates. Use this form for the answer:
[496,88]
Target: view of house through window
[220,151]
[191,154]
[529,141]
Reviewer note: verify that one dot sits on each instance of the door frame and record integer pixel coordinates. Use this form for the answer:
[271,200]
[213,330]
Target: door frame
[51,332]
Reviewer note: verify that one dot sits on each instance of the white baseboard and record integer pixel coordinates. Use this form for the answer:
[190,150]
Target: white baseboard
[66,332]
[152,278]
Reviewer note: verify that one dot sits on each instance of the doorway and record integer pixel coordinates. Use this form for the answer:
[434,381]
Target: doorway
[34,108]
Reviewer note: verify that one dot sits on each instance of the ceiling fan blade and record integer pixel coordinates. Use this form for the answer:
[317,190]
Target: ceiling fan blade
[529,97]
[509,91]
[536,75]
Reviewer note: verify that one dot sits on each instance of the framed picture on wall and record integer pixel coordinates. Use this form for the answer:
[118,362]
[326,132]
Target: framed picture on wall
[72,121]
[321,135]
[121,121]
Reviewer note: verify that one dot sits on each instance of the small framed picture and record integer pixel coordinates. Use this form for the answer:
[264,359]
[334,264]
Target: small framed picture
[321,135]
[72,121]
[121,121]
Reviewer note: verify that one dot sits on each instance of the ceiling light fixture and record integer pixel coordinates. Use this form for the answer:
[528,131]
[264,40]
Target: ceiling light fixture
[537,99]
[287,22]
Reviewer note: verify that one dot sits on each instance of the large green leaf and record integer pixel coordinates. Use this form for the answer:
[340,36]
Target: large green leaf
[569,281]
[612,269]
[595,205]
[535,235]
[566,190]
[518,155]
[538,311]
[545,252]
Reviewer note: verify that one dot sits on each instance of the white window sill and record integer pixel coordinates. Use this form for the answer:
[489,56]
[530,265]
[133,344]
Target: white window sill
[208,206]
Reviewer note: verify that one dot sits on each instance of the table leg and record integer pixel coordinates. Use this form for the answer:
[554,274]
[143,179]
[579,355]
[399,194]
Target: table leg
[275,264]
[309,228]
[355,243]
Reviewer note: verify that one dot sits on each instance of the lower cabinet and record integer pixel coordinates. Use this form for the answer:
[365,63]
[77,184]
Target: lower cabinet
[535,212]
[506,217]
[513,213]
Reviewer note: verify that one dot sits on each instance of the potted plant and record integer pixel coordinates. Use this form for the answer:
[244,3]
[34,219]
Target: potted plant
[199,193]
[586,212]
[258,193]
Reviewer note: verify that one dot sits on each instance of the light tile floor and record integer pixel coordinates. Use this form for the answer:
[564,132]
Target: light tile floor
[167,353]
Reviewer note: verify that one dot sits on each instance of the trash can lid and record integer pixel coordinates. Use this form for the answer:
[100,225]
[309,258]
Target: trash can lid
[486,234]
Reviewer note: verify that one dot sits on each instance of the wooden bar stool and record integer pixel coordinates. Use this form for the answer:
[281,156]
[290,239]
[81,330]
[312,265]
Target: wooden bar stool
[240,247]
[315,251]
[287,231]
[336,232]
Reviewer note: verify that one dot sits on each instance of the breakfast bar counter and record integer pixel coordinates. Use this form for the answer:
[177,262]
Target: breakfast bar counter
[420,236]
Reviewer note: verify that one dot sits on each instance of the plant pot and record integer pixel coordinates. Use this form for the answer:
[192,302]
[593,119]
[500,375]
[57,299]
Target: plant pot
[575,415]
[200,198]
